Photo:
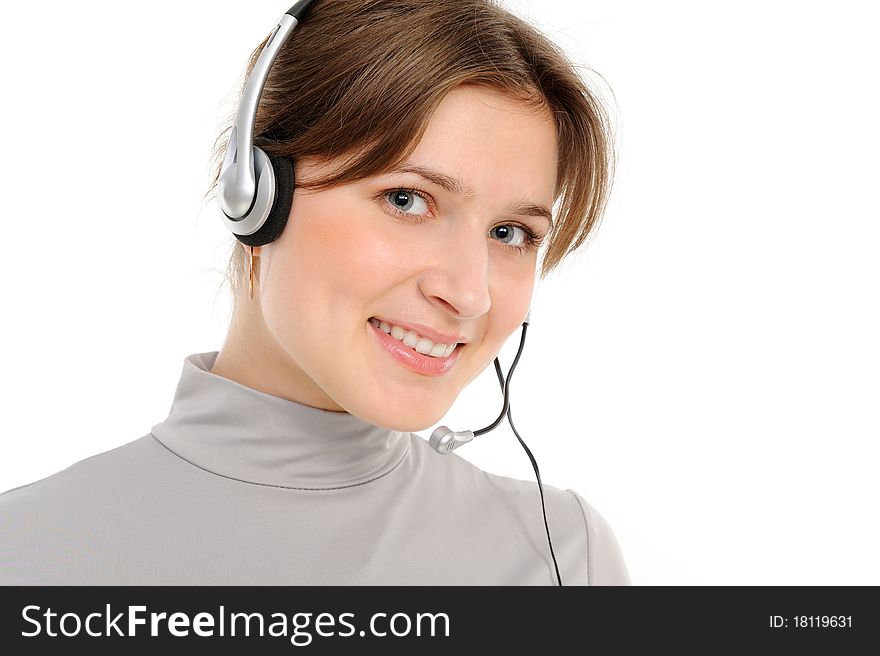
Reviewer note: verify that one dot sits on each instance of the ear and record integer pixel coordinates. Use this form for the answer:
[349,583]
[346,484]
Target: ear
[285,182]
[282,171]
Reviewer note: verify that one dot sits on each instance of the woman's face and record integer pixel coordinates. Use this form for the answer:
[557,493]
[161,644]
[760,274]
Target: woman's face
[403,248]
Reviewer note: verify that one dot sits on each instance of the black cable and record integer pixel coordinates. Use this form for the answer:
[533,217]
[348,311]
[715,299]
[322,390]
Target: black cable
[540,489]
[505,388]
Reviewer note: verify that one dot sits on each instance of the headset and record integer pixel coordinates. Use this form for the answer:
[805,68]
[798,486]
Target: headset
[255,192]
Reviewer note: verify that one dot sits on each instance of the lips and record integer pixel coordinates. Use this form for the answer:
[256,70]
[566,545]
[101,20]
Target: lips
[412,359]
[425,331]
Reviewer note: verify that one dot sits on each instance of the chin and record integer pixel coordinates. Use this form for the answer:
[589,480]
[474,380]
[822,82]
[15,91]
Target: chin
[406,419]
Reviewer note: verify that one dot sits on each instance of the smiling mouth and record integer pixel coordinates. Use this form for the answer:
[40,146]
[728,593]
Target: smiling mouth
[416,342]
[412,359]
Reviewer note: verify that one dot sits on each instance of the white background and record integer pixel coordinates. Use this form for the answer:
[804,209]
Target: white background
[705,373]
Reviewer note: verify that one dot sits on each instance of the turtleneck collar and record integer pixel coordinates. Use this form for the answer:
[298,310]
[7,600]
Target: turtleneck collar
[236,431]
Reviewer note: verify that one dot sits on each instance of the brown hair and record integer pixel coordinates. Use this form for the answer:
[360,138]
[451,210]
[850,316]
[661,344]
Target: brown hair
[379,68]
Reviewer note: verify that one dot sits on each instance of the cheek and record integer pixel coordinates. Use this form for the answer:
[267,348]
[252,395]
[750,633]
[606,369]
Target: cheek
[512,284]
[331,266]
[339,254]
[506,317]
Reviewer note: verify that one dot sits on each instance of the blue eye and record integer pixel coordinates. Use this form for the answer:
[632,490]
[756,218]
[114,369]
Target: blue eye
[402,200]
[506,232]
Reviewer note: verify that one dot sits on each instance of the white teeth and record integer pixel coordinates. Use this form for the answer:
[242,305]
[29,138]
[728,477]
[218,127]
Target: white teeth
[415,341]
[439,350]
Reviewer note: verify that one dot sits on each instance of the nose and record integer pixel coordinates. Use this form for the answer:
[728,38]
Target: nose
[458,280]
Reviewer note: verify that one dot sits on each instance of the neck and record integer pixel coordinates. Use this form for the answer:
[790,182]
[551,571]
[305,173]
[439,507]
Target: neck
[251,356]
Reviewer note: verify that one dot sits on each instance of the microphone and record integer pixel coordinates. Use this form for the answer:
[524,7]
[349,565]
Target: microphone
[445,440]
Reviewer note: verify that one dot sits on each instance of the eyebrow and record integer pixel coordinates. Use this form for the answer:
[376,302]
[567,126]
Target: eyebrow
[458,187]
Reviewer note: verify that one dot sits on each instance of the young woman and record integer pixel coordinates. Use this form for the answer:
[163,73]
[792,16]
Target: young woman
[417,148]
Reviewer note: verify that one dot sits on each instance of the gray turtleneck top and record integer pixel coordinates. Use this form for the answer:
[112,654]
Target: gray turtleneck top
[240,487]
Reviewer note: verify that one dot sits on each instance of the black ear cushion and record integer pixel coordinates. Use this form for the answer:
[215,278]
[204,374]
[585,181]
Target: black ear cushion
[277,219]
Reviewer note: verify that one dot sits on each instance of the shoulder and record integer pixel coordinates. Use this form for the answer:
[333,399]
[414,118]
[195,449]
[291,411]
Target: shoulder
[606,565]
[585,547]
[50,524]
[93,474]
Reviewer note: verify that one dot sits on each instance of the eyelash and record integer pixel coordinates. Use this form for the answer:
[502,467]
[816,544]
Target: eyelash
[531,242]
